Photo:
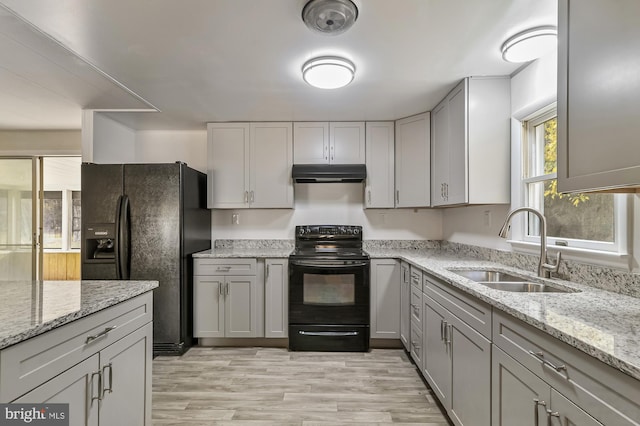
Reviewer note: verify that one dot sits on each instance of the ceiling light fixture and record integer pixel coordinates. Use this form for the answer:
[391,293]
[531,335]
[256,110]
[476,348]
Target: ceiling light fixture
[328,72]
[530,44]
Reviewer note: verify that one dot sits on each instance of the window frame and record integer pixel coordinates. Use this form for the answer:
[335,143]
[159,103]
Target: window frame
[617,253]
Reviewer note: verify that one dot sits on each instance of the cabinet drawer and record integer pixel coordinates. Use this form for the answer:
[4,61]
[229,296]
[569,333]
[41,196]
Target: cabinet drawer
[607,394]
[415,347]
[202,266]
[472,311]
[416,308]
[28,364]
[416,277]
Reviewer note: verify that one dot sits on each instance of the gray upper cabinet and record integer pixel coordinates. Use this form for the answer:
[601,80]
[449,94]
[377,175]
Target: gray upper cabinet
[329,143]
[379,188]
[598,91]
[470,144]
[413,159]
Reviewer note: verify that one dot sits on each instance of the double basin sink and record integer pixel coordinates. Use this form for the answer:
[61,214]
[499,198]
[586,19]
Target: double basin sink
[508,282]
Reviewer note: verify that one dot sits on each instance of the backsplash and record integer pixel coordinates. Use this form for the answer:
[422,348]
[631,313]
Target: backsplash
[254,244]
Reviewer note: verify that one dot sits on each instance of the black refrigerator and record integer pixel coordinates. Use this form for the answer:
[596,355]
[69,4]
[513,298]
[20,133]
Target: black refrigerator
[143,222]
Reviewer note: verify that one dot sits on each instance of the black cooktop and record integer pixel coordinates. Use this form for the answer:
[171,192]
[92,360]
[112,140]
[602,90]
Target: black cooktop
[329,242]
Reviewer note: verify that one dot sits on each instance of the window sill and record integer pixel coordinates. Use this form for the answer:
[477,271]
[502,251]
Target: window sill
[592,257]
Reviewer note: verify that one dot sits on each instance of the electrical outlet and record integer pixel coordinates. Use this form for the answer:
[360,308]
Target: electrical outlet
[487,218]
[235,219]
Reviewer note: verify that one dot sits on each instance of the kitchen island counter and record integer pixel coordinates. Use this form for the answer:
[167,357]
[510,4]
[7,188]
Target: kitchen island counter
[31,308]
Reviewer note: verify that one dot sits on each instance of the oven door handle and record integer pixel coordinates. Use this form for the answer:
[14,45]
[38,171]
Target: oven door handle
[329,333]
[327,265]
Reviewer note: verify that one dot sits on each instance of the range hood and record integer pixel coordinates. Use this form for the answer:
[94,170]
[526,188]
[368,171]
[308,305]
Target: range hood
[323,173]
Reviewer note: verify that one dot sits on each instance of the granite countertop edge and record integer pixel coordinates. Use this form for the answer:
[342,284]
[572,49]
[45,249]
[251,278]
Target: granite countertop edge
[104,296]
[440,264]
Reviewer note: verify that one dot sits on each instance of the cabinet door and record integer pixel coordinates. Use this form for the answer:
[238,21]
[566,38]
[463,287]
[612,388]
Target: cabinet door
[440,153]
[598,91]
[276,301]
[271,160]
[437,357]
[518,396]
[405,305]
[380,162]
[413,161]
[470,375]
[208,306]
[126,379]
[456,189]
[73,387]
[241,307]
[566,413]
[310,143]
[228,165]
[385,299]
[346,143]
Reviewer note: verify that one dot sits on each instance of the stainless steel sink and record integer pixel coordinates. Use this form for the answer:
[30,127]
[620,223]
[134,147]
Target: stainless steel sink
[504,281]
[493,276]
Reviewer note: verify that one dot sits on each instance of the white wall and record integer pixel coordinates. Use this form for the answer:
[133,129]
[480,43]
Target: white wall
[531,89]
[329,203]
[40,142]
[168,146]
[112,142]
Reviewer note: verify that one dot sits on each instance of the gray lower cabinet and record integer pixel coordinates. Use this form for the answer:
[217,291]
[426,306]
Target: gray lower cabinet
[276,299]
[456,363]
[521,397]
[405,305]
[385,299]
[100,365]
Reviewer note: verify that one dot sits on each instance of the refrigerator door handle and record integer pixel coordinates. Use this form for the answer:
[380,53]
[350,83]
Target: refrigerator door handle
[124,239]
[117,250]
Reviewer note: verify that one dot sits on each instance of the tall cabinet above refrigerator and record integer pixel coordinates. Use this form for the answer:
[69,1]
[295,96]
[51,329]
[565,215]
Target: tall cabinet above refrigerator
[143,222]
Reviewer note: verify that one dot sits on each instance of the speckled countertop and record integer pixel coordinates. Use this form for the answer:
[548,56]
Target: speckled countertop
[31,308]
[600,323]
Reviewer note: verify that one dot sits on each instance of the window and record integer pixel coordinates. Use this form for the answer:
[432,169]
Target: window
[52,217]
[585,221]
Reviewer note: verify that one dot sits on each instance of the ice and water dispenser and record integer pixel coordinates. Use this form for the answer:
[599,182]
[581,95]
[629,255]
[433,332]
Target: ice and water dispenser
[100,242]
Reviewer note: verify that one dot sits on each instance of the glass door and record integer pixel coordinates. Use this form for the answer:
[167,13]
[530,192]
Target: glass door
[19,178]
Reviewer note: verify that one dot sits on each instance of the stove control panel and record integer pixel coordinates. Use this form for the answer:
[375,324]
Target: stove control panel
[311,231]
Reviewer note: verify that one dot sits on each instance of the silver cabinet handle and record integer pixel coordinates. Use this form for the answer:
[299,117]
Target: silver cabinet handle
[369,196]
[446,191]
[446,332]
[536,417]
[251,197]
[398,196]
[221,289]
[110,388]
[442,191]
[442,325]
[540,357]
[551,414]
[246,197]
[99,335]
[227,287]
[99,397]
[449,333]
[223,268]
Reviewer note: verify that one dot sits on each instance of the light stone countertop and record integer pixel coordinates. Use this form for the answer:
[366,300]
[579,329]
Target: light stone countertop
[30,308]
[257,252]
[600,323]
[603,324]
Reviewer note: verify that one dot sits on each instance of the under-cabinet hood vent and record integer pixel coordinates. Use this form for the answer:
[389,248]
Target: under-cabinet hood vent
[324,173]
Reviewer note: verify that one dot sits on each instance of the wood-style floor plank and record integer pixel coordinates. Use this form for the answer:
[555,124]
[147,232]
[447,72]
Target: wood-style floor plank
[271,386]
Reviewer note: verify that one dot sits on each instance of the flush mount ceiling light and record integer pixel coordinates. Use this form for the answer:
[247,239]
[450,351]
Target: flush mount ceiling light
[328,72]
[330,17]
[530,44]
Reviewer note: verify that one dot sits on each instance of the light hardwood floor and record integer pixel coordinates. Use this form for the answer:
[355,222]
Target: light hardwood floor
[260,386]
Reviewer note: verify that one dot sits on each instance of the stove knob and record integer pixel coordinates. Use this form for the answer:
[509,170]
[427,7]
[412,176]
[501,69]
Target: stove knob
[356,231]
[301,231]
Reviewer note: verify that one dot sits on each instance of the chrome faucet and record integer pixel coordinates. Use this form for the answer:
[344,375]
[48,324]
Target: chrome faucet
[544,269]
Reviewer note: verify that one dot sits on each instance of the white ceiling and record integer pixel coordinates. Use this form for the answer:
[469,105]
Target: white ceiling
[239,60]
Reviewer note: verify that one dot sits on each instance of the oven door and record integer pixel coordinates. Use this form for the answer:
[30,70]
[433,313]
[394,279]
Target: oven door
[328,292]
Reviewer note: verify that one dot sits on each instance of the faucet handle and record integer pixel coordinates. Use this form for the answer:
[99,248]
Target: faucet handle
[553,267]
